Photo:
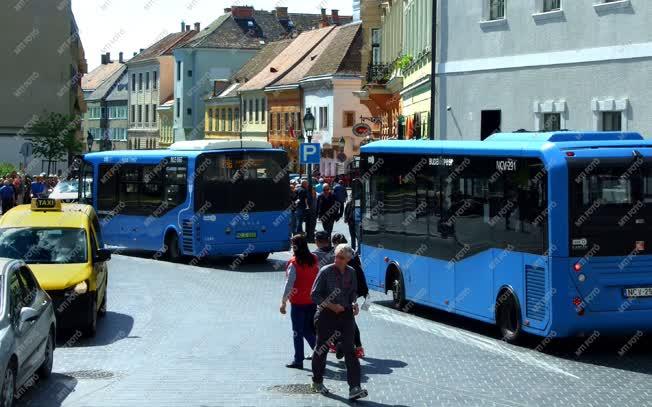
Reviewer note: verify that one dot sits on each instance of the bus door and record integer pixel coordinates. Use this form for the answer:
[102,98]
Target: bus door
[84,173]
[356,196]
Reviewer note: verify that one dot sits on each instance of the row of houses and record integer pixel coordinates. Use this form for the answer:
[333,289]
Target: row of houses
[250,73]
[506,65]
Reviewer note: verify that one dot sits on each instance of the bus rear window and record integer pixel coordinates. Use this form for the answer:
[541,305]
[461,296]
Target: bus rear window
[228,183]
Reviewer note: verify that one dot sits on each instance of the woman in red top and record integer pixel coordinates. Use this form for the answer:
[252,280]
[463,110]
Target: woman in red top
[301,273]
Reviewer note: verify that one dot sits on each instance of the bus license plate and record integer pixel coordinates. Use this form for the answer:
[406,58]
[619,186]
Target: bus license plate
[638,292]
[245,235]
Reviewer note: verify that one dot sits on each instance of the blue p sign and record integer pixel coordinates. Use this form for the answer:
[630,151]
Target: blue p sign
[309,153]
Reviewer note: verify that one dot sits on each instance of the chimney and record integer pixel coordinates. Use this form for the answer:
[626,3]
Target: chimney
[103,59]
[197,27]
[135,53]
[227,10]
[183,26]
[242,12]
[121,58]
[335,16]
[108,57]
[324,20]
[282,13]
[141,50]
[187,27]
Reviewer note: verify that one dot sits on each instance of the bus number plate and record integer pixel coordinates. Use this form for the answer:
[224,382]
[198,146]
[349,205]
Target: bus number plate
[245,235]
[638,292]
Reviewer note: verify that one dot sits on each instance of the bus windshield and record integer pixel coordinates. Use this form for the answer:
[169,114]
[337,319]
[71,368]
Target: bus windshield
[231,182]
[610,206]
[44,246]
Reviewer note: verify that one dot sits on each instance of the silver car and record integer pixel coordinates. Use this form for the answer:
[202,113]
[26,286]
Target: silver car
[27,330]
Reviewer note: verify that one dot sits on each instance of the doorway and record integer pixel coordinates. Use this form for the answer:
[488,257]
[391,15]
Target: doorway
[489,123]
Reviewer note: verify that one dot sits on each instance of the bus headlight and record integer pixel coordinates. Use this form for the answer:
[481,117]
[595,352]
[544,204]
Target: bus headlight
[81,288]
[581,278]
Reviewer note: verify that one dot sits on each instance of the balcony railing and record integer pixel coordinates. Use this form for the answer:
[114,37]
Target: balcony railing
[379,73]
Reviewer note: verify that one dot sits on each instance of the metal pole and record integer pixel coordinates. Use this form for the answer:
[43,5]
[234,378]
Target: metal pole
[433,70]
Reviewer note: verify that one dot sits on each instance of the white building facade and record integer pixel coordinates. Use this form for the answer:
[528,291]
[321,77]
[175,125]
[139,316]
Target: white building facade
[543,65]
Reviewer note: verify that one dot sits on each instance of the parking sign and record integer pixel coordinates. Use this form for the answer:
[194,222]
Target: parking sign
[309,153]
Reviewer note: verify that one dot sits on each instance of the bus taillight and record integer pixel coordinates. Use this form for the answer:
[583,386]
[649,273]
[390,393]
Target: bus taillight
[577,301]
[577,267]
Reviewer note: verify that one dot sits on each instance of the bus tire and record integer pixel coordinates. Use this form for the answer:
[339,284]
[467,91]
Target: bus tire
[90,330]
[398,289]
[172,247]
[508,317]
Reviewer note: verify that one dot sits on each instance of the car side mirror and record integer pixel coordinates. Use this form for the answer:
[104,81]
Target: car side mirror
[102,255]
[27,314]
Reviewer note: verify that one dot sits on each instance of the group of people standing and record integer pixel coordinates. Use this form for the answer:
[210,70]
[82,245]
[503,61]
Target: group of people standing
[323,202]
[323,288]
[17,189]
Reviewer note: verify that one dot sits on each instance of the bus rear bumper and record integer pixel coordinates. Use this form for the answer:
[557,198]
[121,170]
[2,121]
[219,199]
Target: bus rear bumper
[609,323]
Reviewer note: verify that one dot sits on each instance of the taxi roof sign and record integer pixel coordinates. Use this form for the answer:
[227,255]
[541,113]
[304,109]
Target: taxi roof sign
[46,204]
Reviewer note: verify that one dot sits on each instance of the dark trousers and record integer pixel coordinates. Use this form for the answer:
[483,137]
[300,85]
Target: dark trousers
[327,223]
[303,327]
[356,335]
[330,328]
[352,233]
[300,215]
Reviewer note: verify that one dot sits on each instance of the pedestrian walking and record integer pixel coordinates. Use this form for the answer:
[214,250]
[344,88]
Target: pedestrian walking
[7,195]
[293,206]
[349,219]
[327,209]
[363,292]
[335,293]
[325,253]
[340,195]
[303,205]
[301,273]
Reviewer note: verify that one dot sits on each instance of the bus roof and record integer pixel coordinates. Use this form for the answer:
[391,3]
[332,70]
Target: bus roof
[182,152]
[519,143]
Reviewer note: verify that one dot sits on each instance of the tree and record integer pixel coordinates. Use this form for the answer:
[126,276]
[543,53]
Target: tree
[56,136]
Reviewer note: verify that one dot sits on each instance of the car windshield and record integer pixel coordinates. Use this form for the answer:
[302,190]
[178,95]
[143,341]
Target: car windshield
[44,246]
[67,186]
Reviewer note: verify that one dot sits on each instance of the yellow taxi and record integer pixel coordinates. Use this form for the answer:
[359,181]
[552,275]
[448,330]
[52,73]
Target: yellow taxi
[62,243]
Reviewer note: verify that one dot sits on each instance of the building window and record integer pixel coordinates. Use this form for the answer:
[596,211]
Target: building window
[140,114]
[244,111]
[133,114]
[278,122]
[287,123]
[188,111]
[612,121]
[551,122]
[251,110]
[263,110]
[155,82]
[133,82]
[146,113]
[323,118]
[223,119]
[178,71]
[237,119]
[189,73]
[154,113]
[496,9]
[257,113]
[140,81]
[551,5]
[375,46]
[349,119]
[178,107]
[209,126]
[230,120]
[147,80]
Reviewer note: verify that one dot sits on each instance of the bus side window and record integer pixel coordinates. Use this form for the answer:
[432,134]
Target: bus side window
[107,187]
[176,182]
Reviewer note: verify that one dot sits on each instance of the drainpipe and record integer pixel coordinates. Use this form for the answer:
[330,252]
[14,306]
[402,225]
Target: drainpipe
[433,71]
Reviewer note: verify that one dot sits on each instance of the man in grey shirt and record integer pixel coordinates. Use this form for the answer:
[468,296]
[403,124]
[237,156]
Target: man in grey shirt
[335,293]
[324,252]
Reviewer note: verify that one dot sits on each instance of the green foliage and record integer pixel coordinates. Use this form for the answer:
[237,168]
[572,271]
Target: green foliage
[404,61]
[6,168]
[56,137]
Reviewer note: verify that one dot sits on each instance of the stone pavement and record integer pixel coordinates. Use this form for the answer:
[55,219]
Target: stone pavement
[178,335]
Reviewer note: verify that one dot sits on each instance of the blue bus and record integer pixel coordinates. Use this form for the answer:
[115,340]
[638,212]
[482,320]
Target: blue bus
[196,198]
[539,233]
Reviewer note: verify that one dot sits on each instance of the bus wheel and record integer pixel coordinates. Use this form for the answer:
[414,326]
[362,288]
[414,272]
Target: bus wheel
[172,245]
[398,291]
[508,319]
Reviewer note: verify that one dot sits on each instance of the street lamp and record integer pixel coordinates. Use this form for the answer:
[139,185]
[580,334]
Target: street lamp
[308,127]
[89,141]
